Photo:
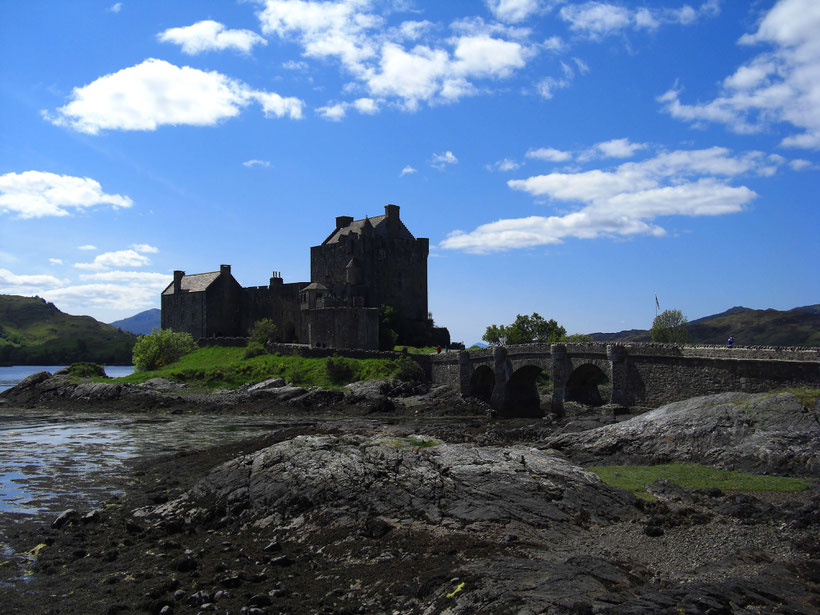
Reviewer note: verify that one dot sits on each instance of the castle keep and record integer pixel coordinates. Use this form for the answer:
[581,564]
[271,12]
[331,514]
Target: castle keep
[361,266]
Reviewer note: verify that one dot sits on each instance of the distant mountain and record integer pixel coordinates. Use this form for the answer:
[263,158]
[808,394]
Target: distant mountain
[797,327]
[140,324]
[33,332]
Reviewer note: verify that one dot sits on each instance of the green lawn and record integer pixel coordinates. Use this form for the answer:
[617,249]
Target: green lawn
[692,476]
[220,367]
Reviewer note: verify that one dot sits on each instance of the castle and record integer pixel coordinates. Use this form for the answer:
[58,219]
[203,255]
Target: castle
[361,266]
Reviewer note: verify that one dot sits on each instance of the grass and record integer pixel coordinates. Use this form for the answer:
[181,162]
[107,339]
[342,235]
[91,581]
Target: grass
[692,476]
[417,349]
[220,367]
[806,396]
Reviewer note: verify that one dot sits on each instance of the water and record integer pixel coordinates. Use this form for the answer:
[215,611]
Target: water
[9,376]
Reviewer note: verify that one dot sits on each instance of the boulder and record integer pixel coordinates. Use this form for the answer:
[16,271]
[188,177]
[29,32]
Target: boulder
[765,433]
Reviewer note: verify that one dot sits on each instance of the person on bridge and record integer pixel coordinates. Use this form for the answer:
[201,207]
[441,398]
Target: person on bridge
[730,342]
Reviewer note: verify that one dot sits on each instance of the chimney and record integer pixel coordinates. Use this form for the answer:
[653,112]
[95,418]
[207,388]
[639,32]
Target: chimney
[224,270]
[178,275]
[391,211]
[343,221]
[393,222]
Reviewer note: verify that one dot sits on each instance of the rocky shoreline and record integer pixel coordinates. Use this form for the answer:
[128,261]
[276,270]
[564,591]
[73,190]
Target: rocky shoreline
[426,515]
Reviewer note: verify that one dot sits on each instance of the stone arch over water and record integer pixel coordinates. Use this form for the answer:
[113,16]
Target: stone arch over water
[589,385]
[522,391]
[482,382]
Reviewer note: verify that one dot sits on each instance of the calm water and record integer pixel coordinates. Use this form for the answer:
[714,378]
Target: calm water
[9,376]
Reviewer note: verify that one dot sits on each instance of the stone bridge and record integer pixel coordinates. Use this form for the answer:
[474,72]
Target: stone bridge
[648,375]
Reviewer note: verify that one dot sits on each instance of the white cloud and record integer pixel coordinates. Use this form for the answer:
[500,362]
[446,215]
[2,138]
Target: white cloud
[338,111]
[87,246]
[599,19]
[408,170]
[512,11]
[350,32]
[256,163]
[549,154]
[35,194]
[616,148]
[781,85]
[504,165]
[115,8]
[12,283]
[334,113]
[156,93]
[623,201]
[55,261]
[554,43]
[120,258]
[211,35]
[84,298]
[799,164]
[144,248]
[440,161]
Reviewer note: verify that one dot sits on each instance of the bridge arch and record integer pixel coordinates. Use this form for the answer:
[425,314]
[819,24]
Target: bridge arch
[522,391]
[482,382]
[588,384]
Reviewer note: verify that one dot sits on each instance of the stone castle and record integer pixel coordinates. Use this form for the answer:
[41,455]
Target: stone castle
[361,266]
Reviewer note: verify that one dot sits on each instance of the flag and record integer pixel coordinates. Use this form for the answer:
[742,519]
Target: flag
[657,305]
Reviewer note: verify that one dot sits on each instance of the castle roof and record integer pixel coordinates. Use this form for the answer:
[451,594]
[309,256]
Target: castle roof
[378,224]
[196,282]
[315,286]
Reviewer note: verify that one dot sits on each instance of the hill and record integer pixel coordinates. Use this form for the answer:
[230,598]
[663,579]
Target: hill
[33,332]
[796,327]
[139,324]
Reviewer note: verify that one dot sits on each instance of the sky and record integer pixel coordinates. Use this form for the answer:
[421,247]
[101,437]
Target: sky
[575,159]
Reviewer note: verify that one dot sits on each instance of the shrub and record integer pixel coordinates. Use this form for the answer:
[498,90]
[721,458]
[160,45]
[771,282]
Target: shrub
[160,347]
[262,332]
[86,370]
[339,370]
[407,370]
[254,349]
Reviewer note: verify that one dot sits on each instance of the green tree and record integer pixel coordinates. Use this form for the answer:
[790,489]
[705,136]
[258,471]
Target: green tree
[524,330]
[388,324]
[262,332]
[160,347]
[669,327]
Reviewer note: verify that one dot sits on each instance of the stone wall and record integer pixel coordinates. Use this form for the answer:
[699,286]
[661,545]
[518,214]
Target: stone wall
[343,327]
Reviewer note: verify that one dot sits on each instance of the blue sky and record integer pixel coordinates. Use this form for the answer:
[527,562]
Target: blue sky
[566,158]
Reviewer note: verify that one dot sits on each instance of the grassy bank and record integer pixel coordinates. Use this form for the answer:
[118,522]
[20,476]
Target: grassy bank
[220,367]
[692,476]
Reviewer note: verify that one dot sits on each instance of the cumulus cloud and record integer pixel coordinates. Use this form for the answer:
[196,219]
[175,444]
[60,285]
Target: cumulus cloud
[596,20]
[36,194]
[127,297]
[256,163]
[87,246]
[504,165]
[156,93]
[11,283]
[779,85]
[55,261]
[160,279]
[408,170]
[616,148]
[211,35]
[366,106]
[441,160]
[623,201]
[549,154]
[512,11]
[144,248]
[350,32]
[120,258]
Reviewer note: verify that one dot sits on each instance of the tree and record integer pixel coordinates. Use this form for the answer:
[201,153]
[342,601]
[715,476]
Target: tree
[160,347]
[262,332]
[669,327]
[524,330]
[388,323]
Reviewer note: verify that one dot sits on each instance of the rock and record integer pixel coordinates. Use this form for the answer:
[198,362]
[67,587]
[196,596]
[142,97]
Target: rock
[464,483]
[266,385]
[162,385]
[260,600]
[316,398]
[764,433]
[668,491]
[92,516]
[64,518]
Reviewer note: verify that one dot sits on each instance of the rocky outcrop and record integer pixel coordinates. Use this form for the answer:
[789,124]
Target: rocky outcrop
[766,433]
[458,485]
